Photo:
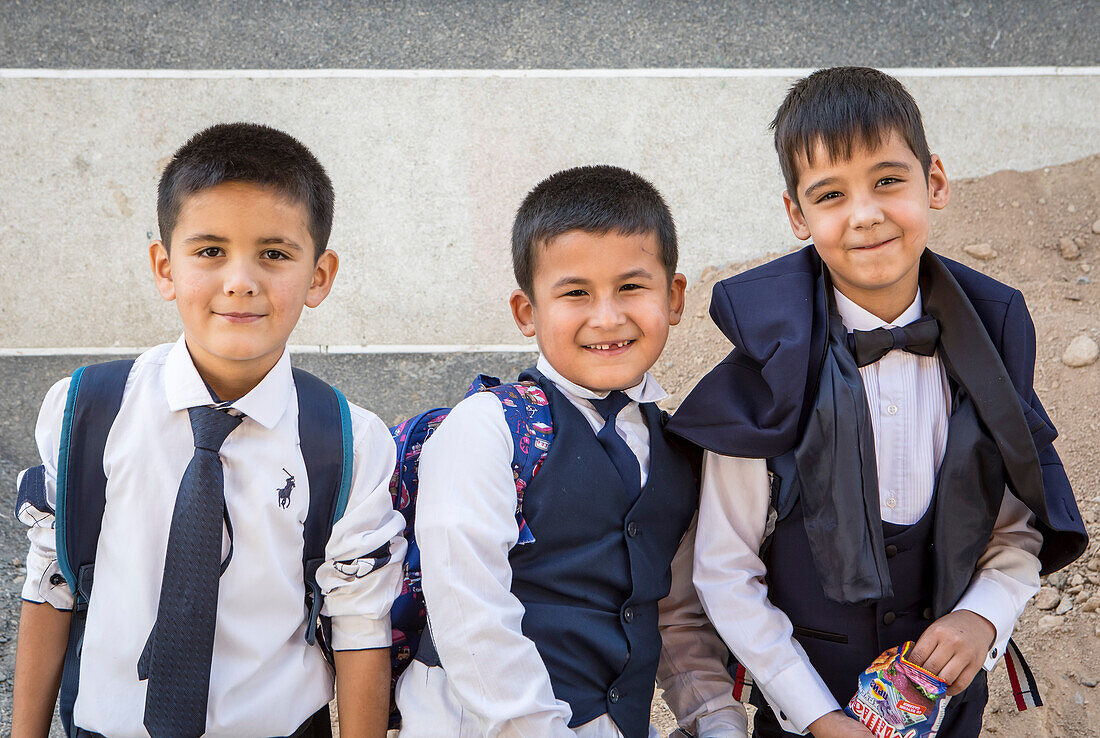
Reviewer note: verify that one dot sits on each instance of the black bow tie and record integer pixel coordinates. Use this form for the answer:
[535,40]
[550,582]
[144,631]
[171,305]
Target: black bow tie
[919,337]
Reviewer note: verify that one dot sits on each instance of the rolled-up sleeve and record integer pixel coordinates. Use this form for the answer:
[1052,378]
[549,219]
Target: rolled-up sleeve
[36,499]
[362,572]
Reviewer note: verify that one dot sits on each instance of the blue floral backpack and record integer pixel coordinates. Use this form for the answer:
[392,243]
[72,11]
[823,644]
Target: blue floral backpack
[527,413]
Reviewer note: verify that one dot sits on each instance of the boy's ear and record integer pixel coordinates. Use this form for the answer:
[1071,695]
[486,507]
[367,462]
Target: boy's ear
[162,270]
[676,298]
[939,189]
[794,215]
[324,273]
[523,312]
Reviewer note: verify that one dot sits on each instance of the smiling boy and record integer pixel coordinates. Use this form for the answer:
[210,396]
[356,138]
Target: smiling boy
[559,636]
[197,624]
[878,466]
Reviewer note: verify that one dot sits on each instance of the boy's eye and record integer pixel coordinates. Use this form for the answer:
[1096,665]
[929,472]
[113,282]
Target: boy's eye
[575,293]
[828,196]
[274,254]
[211,251]
[888,180]
[631,286]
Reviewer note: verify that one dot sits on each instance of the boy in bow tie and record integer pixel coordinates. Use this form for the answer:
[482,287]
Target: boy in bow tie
[878,466]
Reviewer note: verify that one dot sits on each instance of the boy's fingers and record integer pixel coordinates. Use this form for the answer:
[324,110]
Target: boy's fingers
[964,680]
[924,647]
[939,659]
[954,668]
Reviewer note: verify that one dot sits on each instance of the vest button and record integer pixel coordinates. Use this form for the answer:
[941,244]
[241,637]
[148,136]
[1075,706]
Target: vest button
[614,695]
[891,551]
[628,614]
[56,579]
[632,529]
[927,613]
[889,618]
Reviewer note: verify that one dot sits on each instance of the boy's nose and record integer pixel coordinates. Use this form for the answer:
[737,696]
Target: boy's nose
[607,313]
[239,280]
[865,213]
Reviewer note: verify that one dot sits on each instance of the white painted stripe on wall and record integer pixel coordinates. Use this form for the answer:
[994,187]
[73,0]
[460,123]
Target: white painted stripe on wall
[673,73]
[306,349]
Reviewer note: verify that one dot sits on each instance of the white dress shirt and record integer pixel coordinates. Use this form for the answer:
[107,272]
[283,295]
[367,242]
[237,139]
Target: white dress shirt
[493,681]
[908,396]
[265,679]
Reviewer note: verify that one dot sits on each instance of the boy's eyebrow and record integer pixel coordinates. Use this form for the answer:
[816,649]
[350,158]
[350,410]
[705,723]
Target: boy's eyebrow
[808,192]
[891,165]
[634,273]
[568,279]
[276,240]
[206,237]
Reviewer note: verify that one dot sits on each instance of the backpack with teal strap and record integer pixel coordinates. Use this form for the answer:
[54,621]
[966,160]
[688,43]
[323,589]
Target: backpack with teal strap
[527,413]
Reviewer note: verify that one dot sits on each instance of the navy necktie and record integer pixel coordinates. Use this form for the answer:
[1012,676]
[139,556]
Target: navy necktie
[626,463]
[919,337]
[176,659]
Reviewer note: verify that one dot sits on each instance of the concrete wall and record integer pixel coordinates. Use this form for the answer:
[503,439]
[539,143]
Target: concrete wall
[428,168]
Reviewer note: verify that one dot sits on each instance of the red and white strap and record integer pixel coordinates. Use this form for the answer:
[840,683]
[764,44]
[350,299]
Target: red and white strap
[742,684]
[1024,688]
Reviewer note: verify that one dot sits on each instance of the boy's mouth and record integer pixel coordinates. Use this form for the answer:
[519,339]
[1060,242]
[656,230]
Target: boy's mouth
[610,348]
[241,317]
[872,246]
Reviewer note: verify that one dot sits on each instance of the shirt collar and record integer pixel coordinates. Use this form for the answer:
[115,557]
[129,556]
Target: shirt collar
[647,390]
[265,404]
[856,318]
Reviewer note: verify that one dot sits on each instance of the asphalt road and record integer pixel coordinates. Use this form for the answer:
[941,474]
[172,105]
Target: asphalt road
[427,34]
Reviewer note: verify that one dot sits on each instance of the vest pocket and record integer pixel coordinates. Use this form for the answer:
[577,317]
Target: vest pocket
[821,635]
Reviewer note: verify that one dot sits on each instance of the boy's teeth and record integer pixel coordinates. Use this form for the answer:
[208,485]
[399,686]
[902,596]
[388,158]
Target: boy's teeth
[608,346]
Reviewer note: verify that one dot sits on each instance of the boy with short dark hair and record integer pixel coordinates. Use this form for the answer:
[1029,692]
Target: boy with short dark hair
[559,636]
[198,623]
[861,434]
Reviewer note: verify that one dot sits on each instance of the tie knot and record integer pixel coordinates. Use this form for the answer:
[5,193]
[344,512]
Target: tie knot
[211,426]
[610,406]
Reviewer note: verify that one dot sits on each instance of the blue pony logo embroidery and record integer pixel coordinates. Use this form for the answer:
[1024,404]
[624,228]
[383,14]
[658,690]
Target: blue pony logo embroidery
[284,493]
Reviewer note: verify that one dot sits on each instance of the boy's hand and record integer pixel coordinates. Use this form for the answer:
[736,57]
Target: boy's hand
[955,648]
[836,724]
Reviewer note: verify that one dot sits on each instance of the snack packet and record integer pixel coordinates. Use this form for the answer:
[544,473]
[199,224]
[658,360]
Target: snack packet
[898,699]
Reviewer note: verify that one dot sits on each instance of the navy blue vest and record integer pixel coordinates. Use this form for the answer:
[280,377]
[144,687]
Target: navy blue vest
[841,639]
[590,582]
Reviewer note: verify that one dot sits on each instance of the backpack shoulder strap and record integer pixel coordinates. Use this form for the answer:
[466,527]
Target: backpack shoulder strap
[95,396]
[324,432]
[527,413]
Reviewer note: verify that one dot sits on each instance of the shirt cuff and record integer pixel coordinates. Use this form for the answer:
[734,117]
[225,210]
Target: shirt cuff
[806,698]
[45,583]
[729,722]
[985,597]
[359,632]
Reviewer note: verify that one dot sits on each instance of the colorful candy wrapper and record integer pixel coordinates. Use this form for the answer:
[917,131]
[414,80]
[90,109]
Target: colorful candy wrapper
[898,699]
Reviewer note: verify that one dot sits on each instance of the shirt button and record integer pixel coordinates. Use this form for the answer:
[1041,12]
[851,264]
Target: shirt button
[889,618]
[993,653]
[632,529]
[613,695]
[891,551]
[628,614]
[891,502]
[892,410]
[927,614]
[57,580]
